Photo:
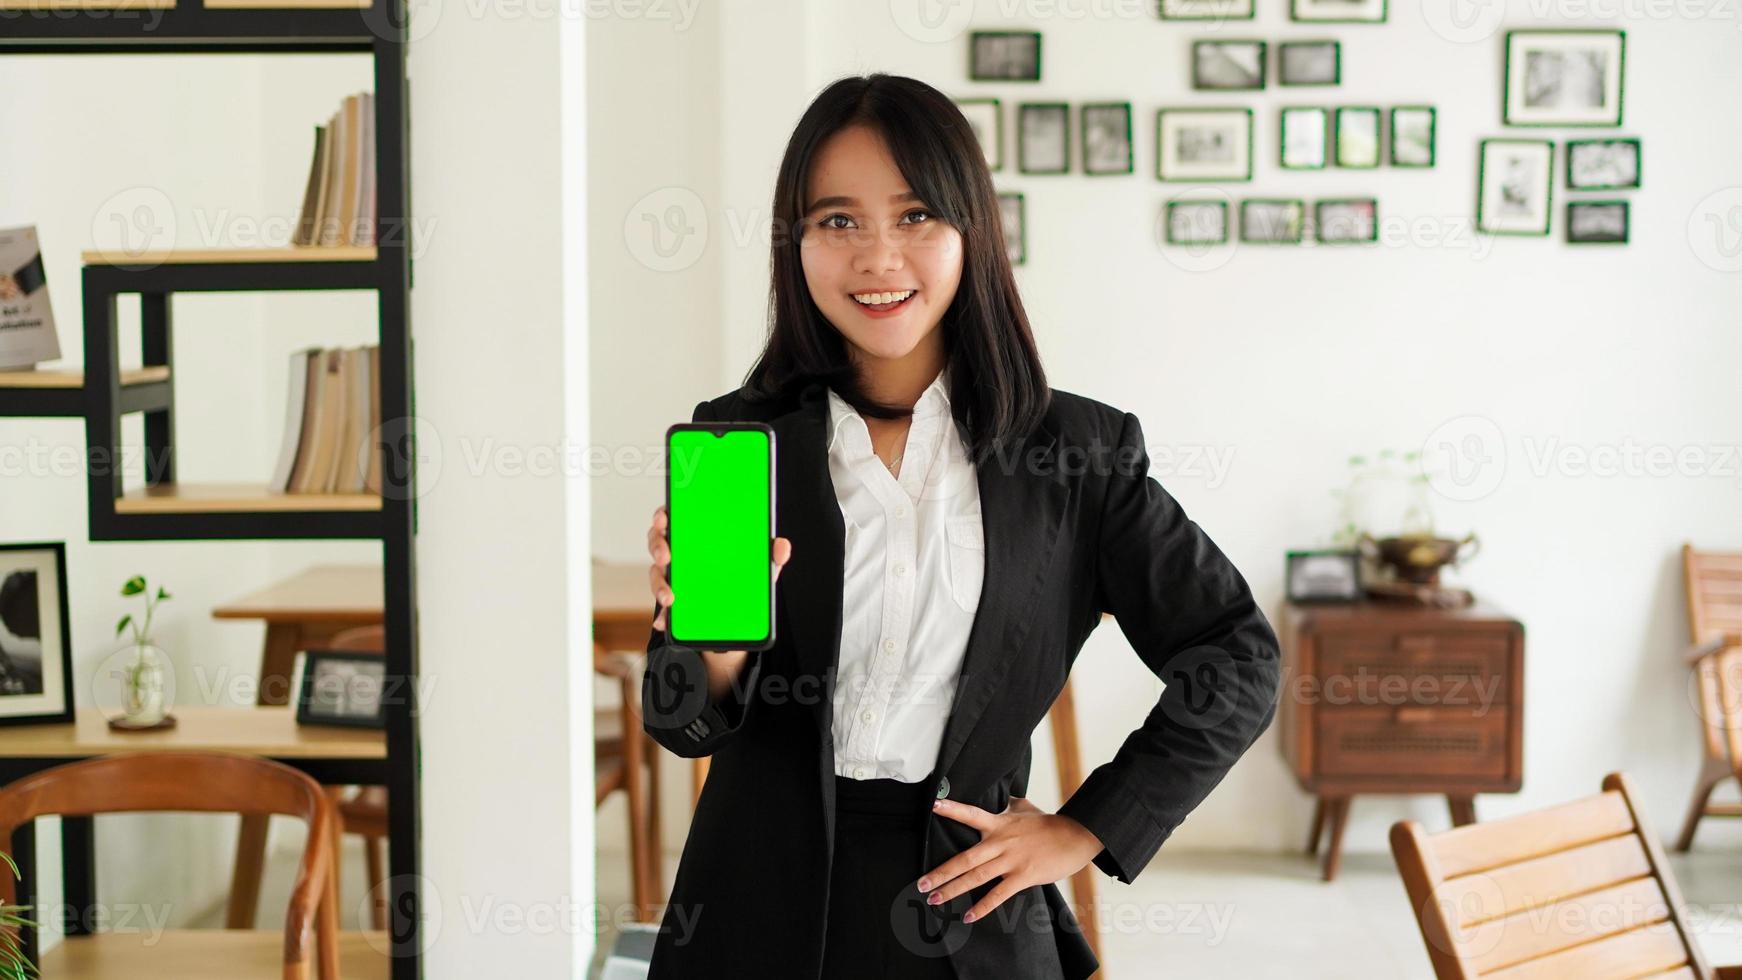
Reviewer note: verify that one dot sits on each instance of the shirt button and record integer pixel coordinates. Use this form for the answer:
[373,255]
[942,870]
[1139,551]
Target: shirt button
[943,787]
[889,645]
[901,512]
[868,715]
[861,772]
[900,568]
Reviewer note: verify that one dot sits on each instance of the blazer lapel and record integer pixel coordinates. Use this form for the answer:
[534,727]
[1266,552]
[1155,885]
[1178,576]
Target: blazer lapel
[1022,503]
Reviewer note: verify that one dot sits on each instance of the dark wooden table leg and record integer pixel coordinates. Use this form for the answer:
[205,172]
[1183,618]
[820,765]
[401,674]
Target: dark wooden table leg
[1338,814]
[79,873]
[1463,809]
[1318,830]
[283,640]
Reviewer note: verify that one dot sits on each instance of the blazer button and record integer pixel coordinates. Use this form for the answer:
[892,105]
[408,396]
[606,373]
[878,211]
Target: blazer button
[943,787]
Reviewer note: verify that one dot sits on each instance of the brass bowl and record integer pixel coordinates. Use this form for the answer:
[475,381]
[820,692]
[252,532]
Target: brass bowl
[1418,558]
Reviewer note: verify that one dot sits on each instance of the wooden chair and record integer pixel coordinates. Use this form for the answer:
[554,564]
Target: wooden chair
[617,739]
[1714,595]
[206,782]
[1576,890]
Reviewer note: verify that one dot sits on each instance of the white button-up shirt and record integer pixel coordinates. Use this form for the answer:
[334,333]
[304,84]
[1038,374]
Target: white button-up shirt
[915,558]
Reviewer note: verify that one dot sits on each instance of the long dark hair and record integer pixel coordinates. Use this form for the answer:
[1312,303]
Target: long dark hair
[998,390]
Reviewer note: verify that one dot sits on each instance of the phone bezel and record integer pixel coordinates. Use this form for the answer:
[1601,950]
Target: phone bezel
[721,428]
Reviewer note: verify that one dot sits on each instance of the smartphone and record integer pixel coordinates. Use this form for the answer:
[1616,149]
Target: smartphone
[719,502]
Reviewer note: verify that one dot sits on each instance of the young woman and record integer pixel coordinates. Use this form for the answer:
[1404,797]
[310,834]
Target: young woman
[951,530]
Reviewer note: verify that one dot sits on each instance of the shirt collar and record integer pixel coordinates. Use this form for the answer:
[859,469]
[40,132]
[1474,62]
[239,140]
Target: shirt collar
[934,400]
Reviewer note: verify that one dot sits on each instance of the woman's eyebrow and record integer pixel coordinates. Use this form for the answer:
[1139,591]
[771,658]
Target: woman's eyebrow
[853,202]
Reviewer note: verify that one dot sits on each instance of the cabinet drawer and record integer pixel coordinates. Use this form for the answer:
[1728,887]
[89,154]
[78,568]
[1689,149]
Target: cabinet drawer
[1412,741]
[1462,670]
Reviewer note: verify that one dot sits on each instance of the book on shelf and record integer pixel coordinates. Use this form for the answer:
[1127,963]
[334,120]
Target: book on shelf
[339,199]
[27,334]
[332,412]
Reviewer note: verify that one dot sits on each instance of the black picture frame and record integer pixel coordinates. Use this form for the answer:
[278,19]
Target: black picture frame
[1511,115]
[1348,588]
[995,162]
[1433,136]
[1319,220]
[1299,205]
[30,558]
[1575,238]
[314,673]
[1083,113]
[978,73]
[1019,254]
[1023,112]
[1262,64]
[1172,206]
[1638,163]
[1282,50]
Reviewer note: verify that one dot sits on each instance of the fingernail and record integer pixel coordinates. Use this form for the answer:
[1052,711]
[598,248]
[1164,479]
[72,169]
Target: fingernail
[934,898]
[925,884]
[969,917]
[937,804]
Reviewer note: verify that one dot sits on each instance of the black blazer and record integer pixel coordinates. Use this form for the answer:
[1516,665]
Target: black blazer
[1074,526]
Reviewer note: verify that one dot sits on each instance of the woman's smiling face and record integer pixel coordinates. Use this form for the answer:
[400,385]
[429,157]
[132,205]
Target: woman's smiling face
[868,237]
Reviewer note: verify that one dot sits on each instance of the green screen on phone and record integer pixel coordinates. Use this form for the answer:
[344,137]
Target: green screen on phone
[717,501]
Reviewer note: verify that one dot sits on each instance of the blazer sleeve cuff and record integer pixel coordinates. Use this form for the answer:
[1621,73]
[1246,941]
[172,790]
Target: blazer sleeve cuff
[1129,835]
[716,722]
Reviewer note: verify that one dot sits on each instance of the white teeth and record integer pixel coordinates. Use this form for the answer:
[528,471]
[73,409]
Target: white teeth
[878,299]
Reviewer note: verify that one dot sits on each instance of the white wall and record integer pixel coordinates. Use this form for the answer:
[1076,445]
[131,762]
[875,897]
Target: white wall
[1284,361]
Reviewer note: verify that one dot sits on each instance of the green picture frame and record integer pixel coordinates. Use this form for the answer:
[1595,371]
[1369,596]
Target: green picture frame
[978,73]
[1246,205]
[1572,232]
[1295,8]
[1083,113]
[1433,126]
[1512,115]
[994,163]
[1342,141]
[1181,113]
[1261,64]
[1191,202]
[1020,256]
[1023,112]
[1319,221]
[1282,50]
[1282,140]
[1483,217]
[1204,10]
[1638,164]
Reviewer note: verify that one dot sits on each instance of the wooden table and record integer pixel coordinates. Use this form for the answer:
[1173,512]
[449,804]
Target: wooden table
[334,756]
[1385,697]
[301,613]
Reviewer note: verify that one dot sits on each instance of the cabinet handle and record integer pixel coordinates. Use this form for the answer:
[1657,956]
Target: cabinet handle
[1407,716]
[1414,644]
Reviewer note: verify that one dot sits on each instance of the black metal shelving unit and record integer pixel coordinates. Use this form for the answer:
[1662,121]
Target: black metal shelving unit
[378,31]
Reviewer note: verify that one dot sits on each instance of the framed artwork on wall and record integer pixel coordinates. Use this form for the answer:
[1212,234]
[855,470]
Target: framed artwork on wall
[1564,78]
[1203,144]
[1514,186]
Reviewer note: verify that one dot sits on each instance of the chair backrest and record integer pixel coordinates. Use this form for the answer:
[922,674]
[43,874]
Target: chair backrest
[1576,890]
[1713,580]
[204,782]
[360,639]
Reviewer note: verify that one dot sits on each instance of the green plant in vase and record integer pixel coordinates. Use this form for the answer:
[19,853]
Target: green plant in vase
[13,964]
[142,678]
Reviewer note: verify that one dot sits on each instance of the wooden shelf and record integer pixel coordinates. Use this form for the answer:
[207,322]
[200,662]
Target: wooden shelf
[229,498]
[208,256]
[222,954]
[87,4]
[62,379]
[264,731]
[287,4]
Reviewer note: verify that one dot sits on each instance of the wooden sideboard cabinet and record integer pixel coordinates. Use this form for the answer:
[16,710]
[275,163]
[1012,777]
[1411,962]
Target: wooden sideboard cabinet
[1389,698]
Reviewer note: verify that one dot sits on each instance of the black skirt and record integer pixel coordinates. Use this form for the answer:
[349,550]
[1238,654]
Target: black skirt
[876,918]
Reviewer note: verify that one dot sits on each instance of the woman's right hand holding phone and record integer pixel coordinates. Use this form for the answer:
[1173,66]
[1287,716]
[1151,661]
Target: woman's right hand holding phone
[724,666]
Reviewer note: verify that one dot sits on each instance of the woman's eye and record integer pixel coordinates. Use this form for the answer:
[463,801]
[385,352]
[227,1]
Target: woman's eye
[825,223]
[926,215]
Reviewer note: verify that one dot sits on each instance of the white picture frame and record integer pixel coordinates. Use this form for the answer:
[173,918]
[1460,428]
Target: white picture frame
[1564,77]
[1515,186]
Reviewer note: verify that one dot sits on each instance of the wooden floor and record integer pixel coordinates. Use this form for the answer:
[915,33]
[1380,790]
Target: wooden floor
[198,954]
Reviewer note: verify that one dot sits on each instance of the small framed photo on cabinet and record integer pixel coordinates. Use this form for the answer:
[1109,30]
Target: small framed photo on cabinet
[1323,576]
[342,688]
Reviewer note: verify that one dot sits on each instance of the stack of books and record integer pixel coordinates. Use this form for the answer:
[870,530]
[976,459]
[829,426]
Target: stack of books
[338,205]
[332,423]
